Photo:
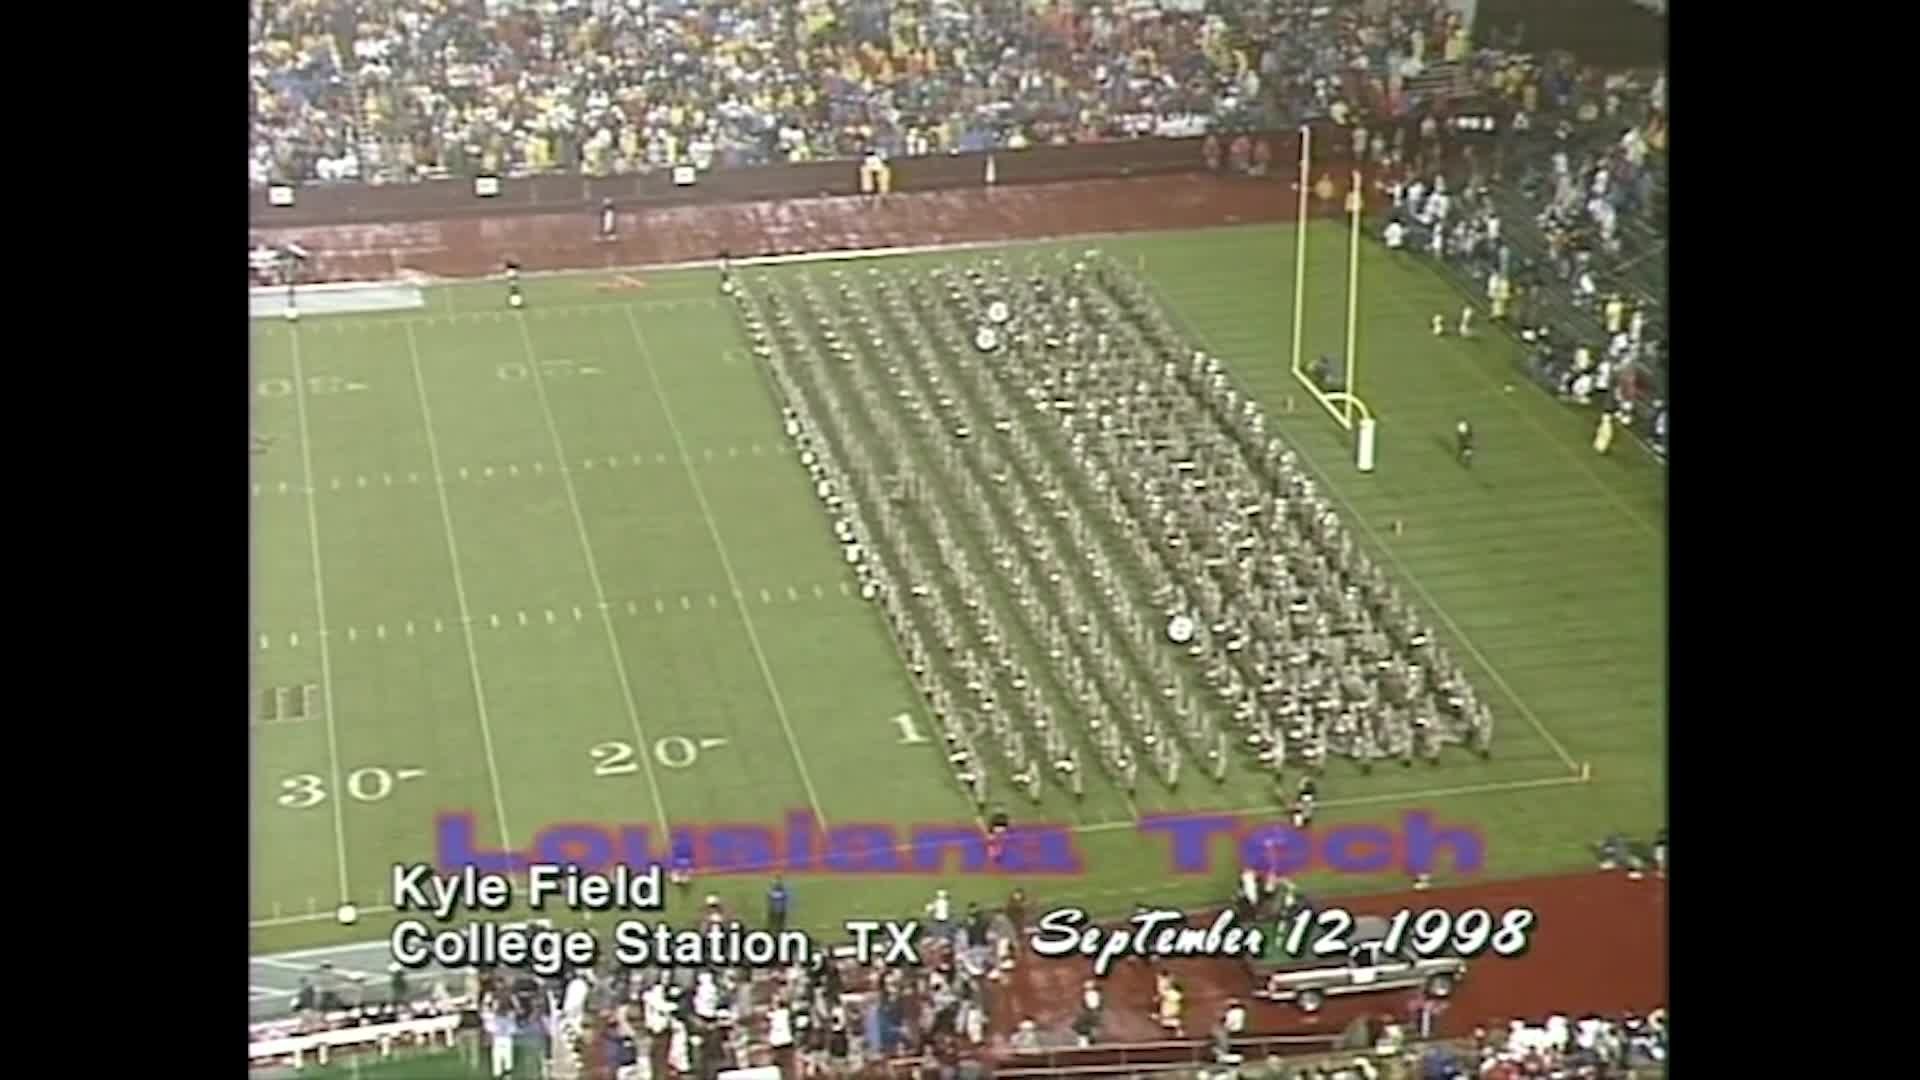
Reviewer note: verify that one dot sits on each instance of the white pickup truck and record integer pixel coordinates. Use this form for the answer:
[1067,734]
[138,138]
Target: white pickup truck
[1366,969]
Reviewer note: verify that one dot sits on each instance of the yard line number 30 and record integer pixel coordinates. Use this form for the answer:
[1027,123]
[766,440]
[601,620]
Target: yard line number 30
[302,790]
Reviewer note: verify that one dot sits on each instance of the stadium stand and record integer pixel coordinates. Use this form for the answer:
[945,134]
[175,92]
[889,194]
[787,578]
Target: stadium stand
[392,90]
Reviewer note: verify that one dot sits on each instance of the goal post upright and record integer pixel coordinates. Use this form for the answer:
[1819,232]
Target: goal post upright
[1354,201]
[1300,250]
[1343,406]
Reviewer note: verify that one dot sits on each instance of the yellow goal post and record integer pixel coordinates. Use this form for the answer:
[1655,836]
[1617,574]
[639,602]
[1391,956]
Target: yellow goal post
[1344,405]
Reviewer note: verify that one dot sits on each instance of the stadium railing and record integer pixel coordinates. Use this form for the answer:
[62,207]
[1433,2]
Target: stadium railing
[1124,1058]
[319,1045]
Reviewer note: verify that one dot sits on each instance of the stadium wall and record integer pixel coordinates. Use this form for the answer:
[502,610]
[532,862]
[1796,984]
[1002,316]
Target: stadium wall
[333,204]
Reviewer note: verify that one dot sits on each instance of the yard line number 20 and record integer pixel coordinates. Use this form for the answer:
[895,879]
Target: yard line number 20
[617,758]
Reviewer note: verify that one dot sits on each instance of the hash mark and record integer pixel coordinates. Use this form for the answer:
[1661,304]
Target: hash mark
[437,627]
[758,449]
[293,640]
[709,453]
[386,479]
[550,617]
[685,604]
[463,472]
[352,634]
[844,591]
[659,459]
[659,605]
[588,464]
[413,478]
[409,627]
[513,470]
[523,617]
[638,460]
[538,468]
[766,597]
[256,490]
[336,483]
[792,593]
[632,608]
[359,481]
[733,451]
[576,613]
[818,592]
[283,487]
[612,462]
[713,601]
[487,472]
[265,642]
[380,631]
[494,620]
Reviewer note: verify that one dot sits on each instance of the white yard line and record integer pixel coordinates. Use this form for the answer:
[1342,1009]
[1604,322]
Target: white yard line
[361,320]
[460,593]
[1360,520]
[337,790]
[282,964]
[726,564]
[317,917]
[1489,788]
[593,573]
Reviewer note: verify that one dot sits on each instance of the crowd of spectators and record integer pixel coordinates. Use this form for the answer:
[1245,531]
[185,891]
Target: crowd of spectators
[836,1018]
[833,1017]
[1558,1048]
[1561,235]
[1588,1048]
[399,89]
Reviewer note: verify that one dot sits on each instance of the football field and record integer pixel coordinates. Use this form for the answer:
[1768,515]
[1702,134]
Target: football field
[562,566]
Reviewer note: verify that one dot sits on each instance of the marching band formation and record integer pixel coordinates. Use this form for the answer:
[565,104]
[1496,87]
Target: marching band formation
[1089,549]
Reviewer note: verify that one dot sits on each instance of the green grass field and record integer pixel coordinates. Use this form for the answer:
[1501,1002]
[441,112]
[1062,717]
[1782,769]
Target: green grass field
[666,629]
